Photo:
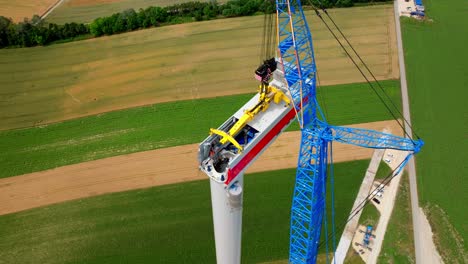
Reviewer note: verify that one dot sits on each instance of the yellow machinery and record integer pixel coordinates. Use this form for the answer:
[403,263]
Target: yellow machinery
[267,93]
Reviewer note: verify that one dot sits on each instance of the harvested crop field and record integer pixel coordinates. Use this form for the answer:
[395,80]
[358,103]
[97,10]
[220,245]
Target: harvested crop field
[85,11]
[206,59]
[150,168]
[20,9]
[160,126]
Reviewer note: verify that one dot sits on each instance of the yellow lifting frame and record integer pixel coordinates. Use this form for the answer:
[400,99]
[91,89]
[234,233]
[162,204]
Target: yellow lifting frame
[267,93]
[226,136]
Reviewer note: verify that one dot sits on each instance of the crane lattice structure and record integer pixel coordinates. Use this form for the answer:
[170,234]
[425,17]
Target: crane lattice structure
[229,150]
[308,205]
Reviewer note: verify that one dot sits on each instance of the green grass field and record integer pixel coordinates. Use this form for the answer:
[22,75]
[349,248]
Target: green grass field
[383,171]
[437,63]
[86,11]
[196,60]
[159,126]
[170,224]
[370,216]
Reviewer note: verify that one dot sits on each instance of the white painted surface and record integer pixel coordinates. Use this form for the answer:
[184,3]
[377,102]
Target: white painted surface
[364,190]
[387,203]
[405,7]
[227,220]
[264,121]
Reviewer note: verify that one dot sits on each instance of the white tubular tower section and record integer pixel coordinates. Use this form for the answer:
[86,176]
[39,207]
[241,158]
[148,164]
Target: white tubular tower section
[227,220]
[224,161]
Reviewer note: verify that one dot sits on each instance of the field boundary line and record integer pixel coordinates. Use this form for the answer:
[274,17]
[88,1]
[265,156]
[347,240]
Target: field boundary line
[51,8]
[147,169]
[411,166]
[425,250]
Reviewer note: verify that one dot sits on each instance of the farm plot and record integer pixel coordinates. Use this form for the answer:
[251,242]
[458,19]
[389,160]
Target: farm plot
[85,11]
[148,169]
[169,223]
[160,126]
[436,64]
[207,59]
[20,9]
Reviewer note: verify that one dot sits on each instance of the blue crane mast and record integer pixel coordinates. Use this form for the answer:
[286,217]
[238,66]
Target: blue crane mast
[297,62]
[287,90]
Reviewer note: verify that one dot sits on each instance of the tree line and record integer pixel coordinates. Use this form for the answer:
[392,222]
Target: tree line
[37,32]
[130,20]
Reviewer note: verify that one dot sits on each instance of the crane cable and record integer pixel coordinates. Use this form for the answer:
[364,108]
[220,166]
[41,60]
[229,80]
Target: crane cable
[262,48]
[362,73]
[371,73]
[332,191]
[367,68]
[364,202]
[392,174]
[269,39]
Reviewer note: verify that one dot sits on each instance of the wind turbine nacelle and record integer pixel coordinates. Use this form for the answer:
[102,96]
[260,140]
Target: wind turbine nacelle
[224,162]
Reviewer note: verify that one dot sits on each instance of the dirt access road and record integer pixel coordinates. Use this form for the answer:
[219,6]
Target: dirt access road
[147,169]
[20,9]
[425,249]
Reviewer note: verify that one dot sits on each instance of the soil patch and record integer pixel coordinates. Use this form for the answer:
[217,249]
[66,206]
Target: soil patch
[147,169]
[20,9]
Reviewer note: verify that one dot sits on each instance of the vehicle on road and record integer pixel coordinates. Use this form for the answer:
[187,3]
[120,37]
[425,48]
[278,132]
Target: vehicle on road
[378,193]
[367,236]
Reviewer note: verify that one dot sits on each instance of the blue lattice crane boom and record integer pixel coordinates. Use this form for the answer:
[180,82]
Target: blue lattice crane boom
[225,155]
[308,205]
[297,58]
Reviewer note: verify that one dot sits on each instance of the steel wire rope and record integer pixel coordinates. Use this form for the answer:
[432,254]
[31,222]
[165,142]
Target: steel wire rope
[392,174]
[361,71]
[365,201]
[270,47]
[322,95]
[332,184]
[370,72]
[262,48]
[324,195]
[267,49]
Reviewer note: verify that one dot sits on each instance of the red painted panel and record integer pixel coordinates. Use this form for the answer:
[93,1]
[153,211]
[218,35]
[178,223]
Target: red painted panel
[232,173]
